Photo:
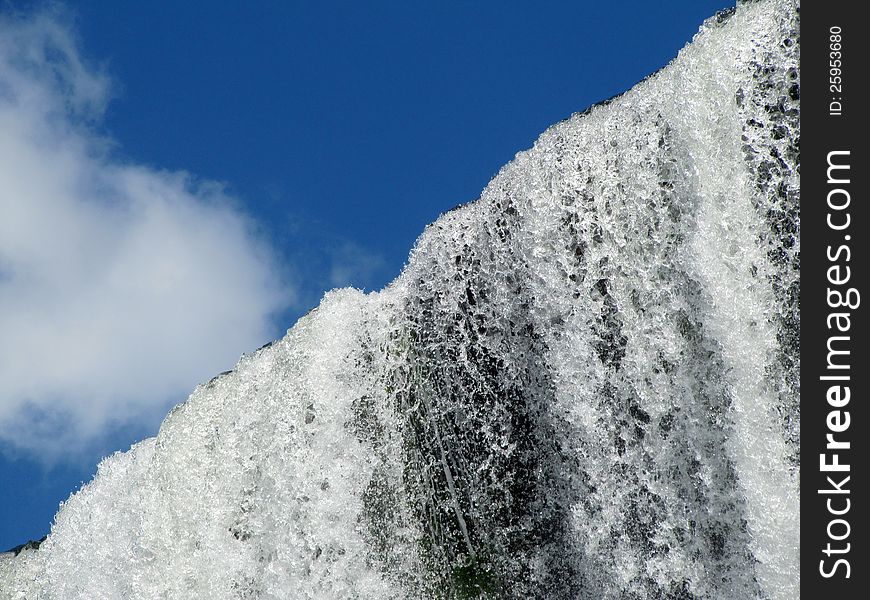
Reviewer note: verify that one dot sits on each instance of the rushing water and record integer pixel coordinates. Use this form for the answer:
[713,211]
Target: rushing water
[583,385]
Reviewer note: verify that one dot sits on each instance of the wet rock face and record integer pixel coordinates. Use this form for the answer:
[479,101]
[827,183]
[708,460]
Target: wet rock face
[25,547]
[583,385]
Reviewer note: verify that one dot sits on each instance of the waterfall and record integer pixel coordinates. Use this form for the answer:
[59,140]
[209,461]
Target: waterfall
[583,385]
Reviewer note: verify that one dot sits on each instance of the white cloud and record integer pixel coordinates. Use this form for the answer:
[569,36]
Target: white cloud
[121,287]
[351,264]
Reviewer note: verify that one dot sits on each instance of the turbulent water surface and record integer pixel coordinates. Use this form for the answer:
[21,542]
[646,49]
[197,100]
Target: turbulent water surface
[583,385]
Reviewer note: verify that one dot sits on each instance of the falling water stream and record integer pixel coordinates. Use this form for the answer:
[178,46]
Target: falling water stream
[582,385]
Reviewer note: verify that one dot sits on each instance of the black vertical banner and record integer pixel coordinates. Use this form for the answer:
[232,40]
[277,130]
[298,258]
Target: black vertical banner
[835,225]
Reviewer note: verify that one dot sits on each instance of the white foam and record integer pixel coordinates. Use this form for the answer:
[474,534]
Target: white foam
[575,389]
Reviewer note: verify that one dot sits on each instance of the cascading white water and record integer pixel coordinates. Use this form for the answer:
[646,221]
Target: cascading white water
[583,385]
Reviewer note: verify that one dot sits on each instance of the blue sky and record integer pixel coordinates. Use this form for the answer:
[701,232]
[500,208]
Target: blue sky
[179,182]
